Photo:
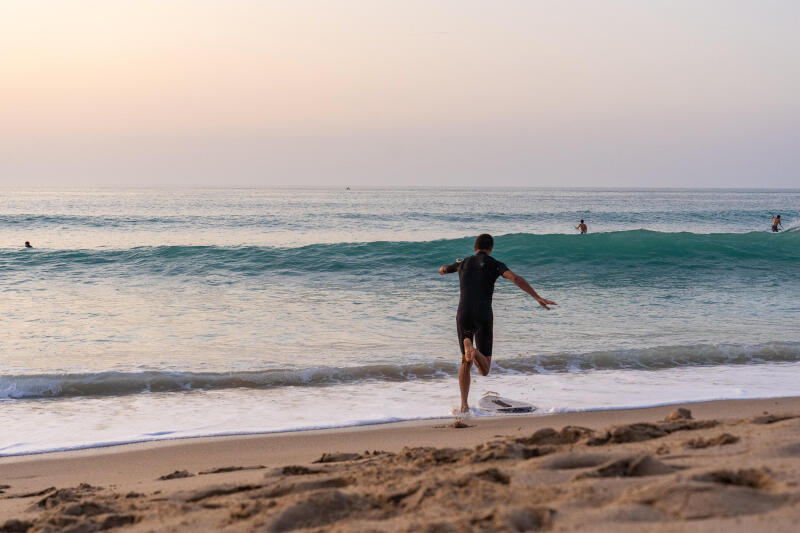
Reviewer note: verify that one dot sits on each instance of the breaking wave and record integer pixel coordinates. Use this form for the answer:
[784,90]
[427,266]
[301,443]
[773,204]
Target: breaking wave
[614,250]
[126,383]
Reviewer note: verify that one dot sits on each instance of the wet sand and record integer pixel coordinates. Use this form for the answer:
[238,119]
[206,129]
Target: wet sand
[725,466]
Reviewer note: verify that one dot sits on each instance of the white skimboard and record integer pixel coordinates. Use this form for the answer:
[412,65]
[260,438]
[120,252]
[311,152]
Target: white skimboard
[494,403]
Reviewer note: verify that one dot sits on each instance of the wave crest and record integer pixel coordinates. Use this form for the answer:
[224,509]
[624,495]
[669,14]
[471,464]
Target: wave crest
[622,249]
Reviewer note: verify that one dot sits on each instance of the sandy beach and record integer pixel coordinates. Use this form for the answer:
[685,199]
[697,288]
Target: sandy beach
[726,465]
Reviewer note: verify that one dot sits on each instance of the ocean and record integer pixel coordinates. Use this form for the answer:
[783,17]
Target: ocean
[145,314]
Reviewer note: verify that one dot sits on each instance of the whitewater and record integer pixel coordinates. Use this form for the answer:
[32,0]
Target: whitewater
[146,314]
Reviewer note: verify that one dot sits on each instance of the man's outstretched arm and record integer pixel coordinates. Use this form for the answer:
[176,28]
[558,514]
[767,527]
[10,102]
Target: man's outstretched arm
[448,269]
[520,282]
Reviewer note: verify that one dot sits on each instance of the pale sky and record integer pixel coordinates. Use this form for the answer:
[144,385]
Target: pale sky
[407,92]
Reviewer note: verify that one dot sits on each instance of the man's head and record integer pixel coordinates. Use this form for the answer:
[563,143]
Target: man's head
[484,242]
[27,244]
[581,221]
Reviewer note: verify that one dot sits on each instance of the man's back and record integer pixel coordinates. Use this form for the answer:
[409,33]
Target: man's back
[478,274]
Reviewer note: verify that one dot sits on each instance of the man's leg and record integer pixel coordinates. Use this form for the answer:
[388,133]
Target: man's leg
[483,363]
[466,362]
[463,382]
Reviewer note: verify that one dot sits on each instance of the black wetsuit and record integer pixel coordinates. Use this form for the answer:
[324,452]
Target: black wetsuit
[474,318]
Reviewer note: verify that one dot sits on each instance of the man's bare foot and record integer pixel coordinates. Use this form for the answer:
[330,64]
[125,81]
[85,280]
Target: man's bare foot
[464,408]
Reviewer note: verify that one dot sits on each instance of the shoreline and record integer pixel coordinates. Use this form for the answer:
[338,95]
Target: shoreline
[368,425]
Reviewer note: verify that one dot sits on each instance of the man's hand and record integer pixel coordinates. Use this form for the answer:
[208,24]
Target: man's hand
[441,270]
[544,303]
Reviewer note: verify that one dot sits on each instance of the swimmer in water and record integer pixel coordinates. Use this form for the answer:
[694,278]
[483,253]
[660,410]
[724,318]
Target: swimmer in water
[582,227]
[776,221]
[474,318]
[28,244]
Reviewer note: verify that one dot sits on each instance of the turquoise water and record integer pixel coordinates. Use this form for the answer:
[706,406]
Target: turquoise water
[248,310]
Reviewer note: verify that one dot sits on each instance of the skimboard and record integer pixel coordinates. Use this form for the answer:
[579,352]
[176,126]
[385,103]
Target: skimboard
[493,403]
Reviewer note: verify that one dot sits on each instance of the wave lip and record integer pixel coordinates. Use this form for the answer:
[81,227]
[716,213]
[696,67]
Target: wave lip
[33,386]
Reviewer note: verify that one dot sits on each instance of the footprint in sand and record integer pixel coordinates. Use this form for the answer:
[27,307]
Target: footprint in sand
[770,419]
[226,469]
[631,466]
[719,440]
[178,474]
[338,457]
[573,461]
[719,493]
[746,477]
[296,470]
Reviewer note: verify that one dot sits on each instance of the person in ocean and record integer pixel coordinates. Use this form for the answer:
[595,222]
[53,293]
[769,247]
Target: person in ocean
[477,275]
[28,244]
[776,221]
[582,227]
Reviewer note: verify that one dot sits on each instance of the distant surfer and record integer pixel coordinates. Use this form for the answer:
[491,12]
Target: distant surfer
[28,244]
[582,227]
[776,221]
[477,275]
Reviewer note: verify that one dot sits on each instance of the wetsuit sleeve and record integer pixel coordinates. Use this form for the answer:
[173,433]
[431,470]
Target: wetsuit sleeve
[449,269]
[501,268]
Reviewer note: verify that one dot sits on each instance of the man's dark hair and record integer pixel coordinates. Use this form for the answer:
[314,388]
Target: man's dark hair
[484,242]
[581,221]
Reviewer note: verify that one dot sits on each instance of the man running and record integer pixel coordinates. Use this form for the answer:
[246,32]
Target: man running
[776,221]
[582,227]
[477,274]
